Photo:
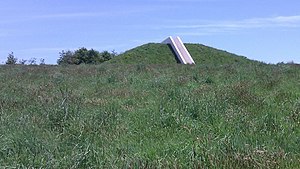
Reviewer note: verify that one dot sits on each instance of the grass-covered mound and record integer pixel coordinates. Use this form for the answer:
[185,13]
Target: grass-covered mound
[150,116]
[152,53]
[155,53]
[207,55]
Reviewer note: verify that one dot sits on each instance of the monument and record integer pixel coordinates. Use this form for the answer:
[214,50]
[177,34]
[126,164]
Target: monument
[180,50]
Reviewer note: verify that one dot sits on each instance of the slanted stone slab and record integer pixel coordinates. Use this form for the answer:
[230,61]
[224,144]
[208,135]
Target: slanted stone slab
[180,50]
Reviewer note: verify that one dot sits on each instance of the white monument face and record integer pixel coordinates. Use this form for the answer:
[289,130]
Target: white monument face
[180,50]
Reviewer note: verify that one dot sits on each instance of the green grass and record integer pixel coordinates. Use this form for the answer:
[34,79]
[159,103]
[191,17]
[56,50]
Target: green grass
[150,116]
[155,53]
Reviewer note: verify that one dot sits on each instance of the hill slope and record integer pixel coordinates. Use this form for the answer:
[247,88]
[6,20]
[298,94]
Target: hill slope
[155,53]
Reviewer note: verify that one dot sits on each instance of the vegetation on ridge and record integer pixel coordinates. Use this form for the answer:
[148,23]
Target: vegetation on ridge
[84,56]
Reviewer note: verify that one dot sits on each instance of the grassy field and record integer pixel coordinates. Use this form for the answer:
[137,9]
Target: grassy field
[150,116]
[142,110]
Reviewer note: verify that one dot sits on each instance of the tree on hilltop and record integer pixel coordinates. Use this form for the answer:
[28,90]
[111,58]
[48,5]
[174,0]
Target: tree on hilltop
[11,59]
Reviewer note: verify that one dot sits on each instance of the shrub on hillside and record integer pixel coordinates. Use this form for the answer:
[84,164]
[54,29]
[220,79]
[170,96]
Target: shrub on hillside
[85,56]
[11,59]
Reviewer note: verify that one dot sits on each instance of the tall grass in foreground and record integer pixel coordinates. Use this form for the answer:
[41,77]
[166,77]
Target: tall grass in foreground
[150,116]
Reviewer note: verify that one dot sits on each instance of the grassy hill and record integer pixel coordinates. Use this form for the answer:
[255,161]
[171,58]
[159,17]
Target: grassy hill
[155,53]
[150,116]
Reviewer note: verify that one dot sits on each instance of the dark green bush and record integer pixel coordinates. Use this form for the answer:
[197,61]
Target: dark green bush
[11,59]
[84,56]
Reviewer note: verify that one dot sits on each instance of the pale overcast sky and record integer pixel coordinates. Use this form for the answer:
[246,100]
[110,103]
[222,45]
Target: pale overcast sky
[264,30]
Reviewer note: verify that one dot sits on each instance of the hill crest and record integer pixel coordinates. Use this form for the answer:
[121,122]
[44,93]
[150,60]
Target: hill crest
[156,53]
